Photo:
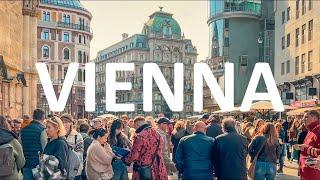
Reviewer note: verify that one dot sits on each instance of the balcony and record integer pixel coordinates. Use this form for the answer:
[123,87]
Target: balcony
[243,9]
[74,26]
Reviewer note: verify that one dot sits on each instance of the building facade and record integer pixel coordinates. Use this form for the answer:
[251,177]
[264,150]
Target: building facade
[64,36]
[242,33]
[18,46]
[161,42]
[297,64]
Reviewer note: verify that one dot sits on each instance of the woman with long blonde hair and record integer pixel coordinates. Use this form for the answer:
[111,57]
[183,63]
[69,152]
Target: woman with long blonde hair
[57,145]
[266,147]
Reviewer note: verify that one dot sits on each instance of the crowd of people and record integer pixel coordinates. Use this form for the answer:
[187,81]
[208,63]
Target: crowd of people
[61,147]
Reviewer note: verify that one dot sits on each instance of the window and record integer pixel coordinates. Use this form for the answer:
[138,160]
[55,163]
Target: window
[45,52]
[303,60]
[66,54]
[297,37]
[283,16]
[66,19]
[283,41]
[297,9]
[288,66]
[288,40]
[303,32]
[288,13]
[66,37]
[80,39]
[79,56]
[310,53]
[45,35]
[310,4]
[46,16]
[310,30]
[80,75]
[226,42]
[304,7]
[282,68]
[226,23]
[297,65]
[244,60]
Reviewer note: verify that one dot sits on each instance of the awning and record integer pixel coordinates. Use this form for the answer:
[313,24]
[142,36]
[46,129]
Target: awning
[301,111]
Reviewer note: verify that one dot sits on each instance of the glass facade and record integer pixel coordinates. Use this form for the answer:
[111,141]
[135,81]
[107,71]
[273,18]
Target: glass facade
[219,29]
[220,6]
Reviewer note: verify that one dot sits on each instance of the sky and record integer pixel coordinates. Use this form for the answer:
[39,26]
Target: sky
[112,18]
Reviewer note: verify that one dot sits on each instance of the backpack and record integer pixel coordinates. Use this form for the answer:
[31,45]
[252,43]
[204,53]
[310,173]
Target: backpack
[74,162]
[7,160]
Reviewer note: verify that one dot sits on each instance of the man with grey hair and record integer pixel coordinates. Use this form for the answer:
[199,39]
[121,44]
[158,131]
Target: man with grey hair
[230,152]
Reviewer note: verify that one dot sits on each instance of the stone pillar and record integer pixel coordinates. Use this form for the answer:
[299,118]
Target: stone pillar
[26,61]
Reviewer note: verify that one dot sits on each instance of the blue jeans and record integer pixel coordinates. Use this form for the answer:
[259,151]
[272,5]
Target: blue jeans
[265,170]
[27,174]
[120,170]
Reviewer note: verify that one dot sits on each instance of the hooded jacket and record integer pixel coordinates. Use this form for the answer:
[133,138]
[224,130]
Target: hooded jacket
[8,137]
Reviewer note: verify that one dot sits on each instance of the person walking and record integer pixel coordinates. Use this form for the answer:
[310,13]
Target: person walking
[214,128]
[194,155]
[163,127]
[33,139]
[117,139]
[87,140]
[126,128]
[99,157]
[310,146]
[57,145]
[74,140]
[267,141]
[11,153]
[293,138]
[146,152]
[281,135]
[230,152]
[179,132]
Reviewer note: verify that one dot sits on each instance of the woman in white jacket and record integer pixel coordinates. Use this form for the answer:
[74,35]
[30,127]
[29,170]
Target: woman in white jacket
[99,157]
[74,140]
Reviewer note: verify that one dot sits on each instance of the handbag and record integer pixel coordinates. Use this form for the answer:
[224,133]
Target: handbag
[145,172]
[252,167]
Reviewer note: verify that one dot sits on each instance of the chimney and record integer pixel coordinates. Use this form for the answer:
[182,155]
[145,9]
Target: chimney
[124,36]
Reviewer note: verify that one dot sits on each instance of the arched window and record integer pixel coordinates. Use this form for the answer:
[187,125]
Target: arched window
[66,54]
[45,51]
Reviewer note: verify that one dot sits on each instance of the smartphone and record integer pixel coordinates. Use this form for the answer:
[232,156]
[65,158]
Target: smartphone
[311,161]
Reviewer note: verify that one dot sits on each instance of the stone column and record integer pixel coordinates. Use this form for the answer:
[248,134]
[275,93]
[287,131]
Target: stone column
[26,61]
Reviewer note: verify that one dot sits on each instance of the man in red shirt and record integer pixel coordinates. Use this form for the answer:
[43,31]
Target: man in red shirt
[311,142]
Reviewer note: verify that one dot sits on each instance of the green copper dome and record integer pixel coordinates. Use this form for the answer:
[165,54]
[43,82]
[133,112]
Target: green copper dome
[161,22]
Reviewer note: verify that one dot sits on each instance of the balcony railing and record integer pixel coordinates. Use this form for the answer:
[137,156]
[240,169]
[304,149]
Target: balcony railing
[73,26]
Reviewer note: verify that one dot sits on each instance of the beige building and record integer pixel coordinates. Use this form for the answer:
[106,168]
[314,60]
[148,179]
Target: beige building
[297,49]
[18,55]
[64,36]
[161,42]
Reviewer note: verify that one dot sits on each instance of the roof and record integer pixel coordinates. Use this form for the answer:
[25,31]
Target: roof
[160,19]
[72,4]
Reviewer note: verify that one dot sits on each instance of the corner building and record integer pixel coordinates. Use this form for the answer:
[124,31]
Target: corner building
[160,42]
[64,36]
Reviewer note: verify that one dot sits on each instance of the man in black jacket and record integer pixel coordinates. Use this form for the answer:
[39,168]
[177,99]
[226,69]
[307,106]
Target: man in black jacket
[214,129]
[194,155]
[230,152]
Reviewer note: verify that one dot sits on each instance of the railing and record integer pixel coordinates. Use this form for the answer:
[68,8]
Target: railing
[73,26]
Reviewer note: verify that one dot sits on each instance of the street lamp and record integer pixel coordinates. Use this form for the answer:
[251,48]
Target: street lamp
[260,42]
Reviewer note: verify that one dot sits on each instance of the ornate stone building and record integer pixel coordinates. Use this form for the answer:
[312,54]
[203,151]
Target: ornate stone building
[18,47]
[64,36]
[161,42]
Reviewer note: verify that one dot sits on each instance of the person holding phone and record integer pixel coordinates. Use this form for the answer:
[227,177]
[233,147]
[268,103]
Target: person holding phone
[310,147]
